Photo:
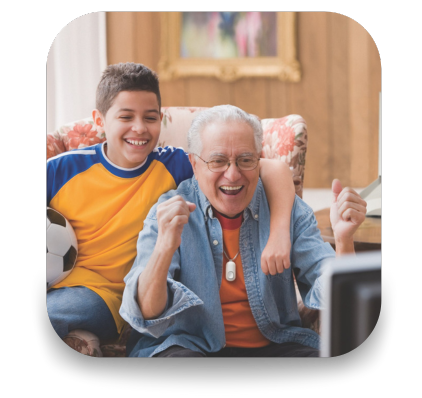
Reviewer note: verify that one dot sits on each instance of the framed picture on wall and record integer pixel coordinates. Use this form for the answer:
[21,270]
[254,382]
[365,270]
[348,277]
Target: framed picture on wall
[229,45]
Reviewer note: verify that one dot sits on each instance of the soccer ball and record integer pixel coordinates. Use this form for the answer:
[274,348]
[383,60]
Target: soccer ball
[62,247]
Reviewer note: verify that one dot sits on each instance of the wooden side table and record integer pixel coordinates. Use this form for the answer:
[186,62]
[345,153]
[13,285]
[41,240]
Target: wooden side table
[367,237]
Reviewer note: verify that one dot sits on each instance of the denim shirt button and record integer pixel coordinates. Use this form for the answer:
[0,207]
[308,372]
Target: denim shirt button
[256,216]
[215,242]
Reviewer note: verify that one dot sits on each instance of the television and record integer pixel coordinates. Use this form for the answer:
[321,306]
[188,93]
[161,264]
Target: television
[351,301]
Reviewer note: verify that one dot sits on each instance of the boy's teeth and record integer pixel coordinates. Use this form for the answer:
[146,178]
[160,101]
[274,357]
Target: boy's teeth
[136,142]
[231,188]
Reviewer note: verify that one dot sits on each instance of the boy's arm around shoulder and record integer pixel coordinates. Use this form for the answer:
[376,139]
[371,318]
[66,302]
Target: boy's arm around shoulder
[280,191]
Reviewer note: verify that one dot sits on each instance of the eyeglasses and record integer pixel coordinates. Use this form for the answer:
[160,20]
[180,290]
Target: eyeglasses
[218,164]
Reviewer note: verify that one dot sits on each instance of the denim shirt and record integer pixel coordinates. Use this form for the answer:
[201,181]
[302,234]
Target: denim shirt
[193,316]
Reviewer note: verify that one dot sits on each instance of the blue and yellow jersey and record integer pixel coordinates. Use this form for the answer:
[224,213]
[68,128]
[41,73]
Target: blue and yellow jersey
[106,206]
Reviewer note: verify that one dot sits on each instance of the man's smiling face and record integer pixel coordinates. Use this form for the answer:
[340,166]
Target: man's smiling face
[231,191]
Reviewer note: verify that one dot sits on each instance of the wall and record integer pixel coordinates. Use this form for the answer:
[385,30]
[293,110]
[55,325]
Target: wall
[337,96]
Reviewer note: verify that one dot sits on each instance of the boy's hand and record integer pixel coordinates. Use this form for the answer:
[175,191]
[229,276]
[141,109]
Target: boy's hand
[276,256]
[172,215]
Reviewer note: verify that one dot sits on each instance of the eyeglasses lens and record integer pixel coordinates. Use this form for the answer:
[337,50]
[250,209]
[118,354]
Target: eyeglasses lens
[222,164]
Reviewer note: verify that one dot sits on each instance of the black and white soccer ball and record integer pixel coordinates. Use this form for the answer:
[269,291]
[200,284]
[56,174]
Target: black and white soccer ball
[62,247]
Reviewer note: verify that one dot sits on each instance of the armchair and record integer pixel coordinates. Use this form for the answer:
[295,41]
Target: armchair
[285,138]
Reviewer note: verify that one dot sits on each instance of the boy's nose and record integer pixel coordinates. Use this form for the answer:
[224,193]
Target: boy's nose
[139,127]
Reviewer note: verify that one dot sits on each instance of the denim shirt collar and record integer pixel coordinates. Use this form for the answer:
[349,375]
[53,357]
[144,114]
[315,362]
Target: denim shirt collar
[252,209]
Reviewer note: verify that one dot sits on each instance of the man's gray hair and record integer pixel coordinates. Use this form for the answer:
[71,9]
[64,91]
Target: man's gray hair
[218,114]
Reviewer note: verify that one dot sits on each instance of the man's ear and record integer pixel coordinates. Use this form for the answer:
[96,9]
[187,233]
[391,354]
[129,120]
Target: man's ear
[98,118]
[192,160]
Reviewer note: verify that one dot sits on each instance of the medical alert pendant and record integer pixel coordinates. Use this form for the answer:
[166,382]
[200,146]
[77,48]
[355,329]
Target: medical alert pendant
[231,267]
[230,271]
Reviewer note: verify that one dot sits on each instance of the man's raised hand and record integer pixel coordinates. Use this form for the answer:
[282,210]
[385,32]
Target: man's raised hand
[347,211]
[172,215]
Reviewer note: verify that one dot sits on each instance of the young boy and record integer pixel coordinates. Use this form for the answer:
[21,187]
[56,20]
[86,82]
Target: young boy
[106,191]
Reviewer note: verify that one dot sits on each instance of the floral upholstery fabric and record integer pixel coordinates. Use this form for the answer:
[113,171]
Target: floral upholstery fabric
[285,138]
[75,135]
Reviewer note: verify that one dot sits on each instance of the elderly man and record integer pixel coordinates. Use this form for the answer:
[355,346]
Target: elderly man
[196,287]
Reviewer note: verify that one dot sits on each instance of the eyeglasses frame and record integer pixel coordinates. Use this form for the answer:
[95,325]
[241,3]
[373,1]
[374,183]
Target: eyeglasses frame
[228,165]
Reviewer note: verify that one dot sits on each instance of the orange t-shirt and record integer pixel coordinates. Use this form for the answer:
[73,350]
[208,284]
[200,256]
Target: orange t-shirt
[239,324]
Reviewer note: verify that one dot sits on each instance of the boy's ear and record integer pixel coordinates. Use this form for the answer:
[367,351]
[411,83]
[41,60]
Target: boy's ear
[98,118]
[161,116]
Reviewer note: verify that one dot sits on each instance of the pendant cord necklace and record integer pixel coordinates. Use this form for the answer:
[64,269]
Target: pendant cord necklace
[231,259]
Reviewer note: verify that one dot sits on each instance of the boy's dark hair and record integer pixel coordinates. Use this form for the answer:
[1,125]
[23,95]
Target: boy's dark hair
[125,77]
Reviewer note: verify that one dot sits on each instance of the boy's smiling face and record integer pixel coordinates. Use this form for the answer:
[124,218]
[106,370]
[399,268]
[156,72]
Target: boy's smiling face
[132,126]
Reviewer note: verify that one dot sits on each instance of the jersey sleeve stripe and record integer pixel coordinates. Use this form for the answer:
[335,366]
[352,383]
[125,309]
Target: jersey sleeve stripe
[63,167]
[176,161]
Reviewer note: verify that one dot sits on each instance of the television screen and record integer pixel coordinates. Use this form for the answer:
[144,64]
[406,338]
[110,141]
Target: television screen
[352,302]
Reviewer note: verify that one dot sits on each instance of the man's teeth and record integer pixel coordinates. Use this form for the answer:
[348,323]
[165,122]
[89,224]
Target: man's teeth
[226,188]
[136,142]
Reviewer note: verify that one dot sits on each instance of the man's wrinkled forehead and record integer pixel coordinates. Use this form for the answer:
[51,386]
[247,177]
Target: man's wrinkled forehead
[216,138]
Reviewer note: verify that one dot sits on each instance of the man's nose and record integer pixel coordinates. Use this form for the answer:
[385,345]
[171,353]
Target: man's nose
[232,173]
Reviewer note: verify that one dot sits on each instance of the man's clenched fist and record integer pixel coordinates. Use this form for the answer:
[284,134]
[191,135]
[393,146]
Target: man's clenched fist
[172,215]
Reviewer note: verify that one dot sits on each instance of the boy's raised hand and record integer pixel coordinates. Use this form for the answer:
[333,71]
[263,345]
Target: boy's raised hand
[172,215]
[276,256]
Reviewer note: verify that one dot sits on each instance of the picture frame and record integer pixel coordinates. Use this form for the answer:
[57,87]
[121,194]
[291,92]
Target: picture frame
[284,66]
